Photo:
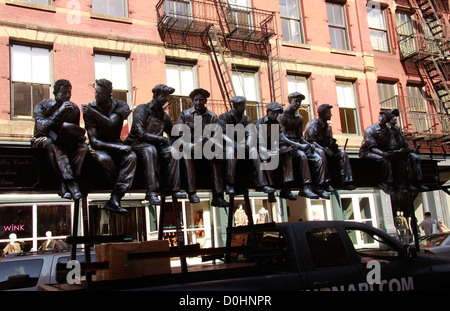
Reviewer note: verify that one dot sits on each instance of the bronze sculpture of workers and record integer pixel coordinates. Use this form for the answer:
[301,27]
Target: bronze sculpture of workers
[283,151]
[199,111]
[103,120]
[319,133]
[57,131]
[376,146]
[147,139]
[411,163]
[316,184]
[236,117]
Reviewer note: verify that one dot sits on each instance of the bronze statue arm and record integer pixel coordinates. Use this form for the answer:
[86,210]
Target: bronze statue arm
[100,118]
[103,145]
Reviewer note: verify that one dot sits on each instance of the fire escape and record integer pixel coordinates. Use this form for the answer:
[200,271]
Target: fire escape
[424,45]
[224,30]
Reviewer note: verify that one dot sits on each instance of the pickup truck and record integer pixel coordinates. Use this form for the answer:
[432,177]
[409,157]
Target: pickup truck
[311,256]
[27,271]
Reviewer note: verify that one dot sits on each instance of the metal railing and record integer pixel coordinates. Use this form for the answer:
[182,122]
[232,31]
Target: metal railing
[415,119]
[196,16]
[414,40]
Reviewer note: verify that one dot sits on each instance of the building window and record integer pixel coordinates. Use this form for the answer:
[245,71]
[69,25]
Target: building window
[110,7]
[359,207]
[34,224]
[387,92]
[405,29]
[178,12]
[291,21]
[183,78]
[30,79]
[114,69]
[417,106]
[378,28]
[239,14]
[301,84]
[245,83]
[347,107]
[337,24]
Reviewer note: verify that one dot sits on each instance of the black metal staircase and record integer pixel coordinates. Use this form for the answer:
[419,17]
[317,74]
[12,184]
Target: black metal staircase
[223,29]
[434,63]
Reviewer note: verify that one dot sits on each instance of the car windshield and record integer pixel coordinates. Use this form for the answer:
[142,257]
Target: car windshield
[433,240]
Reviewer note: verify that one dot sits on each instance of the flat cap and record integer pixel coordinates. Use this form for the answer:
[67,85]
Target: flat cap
[296,94]
[162,88]
[274,106]
[199,91]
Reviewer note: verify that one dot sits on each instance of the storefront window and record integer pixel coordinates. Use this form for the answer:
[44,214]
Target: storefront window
[16,220]
[359,207]
[262,211]
[54,218]
[197,220]
[132,225]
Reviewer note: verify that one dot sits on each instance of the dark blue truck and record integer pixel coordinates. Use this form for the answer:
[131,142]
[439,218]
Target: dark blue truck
[303,256]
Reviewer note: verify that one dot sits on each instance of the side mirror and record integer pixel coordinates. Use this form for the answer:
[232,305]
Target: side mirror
[411,252]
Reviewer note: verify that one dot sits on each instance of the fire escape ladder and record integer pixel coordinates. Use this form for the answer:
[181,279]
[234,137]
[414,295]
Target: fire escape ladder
[275,72]
[223,21]
[439,49]
[437,77]
[222,69]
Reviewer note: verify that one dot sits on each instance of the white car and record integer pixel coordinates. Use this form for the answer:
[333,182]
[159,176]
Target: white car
[436,244]
[27,271]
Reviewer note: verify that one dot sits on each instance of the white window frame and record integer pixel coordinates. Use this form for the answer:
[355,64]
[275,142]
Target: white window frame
[178,11]
[183,78]
[30,65]
[97,4]
[116,69]
[237,8]
[292,22]
[246,83]
[346,96]
[378,28]
[372,221]
[342,27]
[298,83]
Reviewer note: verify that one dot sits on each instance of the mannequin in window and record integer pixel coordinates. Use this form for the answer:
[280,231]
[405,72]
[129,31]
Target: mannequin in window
[13,246]
[198,222]
[154,150]
[263,216]
[240,217]
[315,183]
[401,224]
[319,133]
[50,243]
[199,98]
[103,120]
[57,131]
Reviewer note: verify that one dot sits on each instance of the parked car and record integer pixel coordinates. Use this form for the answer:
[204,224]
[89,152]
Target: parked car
[436,244]
[26,271]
